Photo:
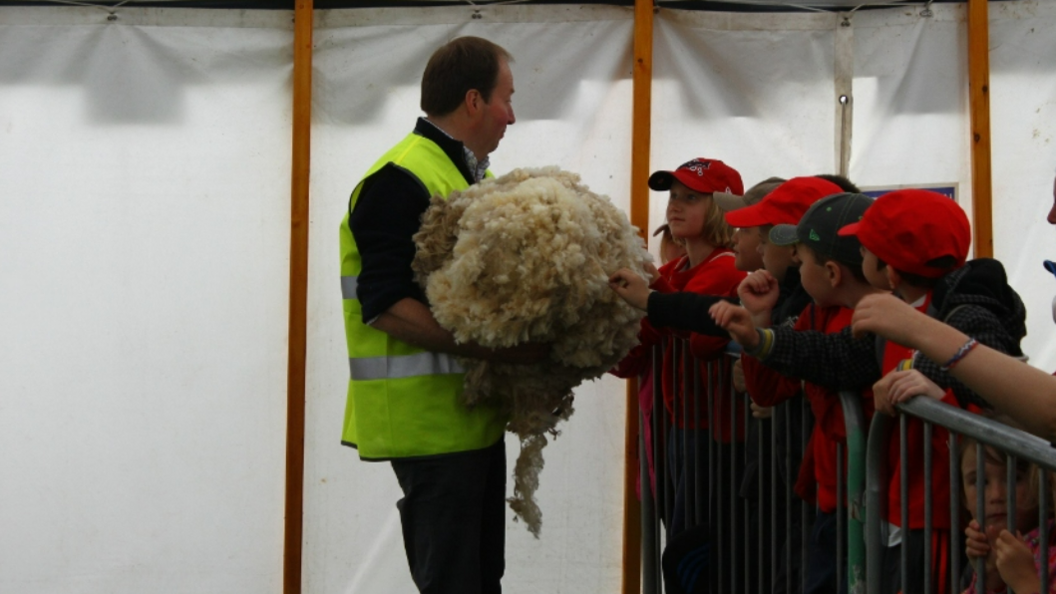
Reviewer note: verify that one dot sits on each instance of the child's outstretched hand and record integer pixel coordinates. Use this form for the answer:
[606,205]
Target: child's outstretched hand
[631,287]
[758,292]
[886,315]
[737,321]
[900,386]
[1016,563]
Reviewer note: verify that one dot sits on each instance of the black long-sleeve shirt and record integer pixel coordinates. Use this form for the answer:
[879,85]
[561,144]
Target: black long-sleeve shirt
[383,222]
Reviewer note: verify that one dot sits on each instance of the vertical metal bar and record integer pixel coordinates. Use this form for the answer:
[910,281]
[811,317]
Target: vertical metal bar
[713,499]
[804,517]
[658,455]
[648,516]
[761,505]
[1010,492]
[698,480]
[875,492]
[927,508]
[840,525]
[725,394]
[955,506]
[1043,525]
[716,431]
[683,393]
[903,454]
[746,415]
[980,505]
[788,498]
[774,550]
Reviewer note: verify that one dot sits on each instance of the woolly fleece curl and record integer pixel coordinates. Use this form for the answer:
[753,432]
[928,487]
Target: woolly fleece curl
[526,258]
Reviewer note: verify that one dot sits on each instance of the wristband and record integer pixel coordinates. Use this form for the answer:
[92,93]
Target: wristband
[960,354]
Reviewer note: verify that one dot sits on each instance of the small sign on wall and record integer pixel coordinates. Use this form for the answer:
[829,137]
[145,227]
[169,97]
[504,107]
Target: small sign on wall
[948,189]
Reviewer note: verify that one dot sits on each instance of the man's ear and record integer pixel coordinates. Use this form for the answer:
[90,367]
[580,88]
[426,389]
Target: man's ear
[474,102]
[835,273]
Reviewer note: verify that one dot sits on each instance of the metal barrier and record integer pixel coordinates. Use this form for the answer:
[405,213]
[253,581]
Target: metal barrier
[748,546]
[1015,445]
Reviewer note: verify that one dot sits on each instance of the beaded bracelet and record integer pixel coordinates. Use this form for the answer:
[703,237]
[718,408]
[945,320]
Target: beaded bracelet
[960,354]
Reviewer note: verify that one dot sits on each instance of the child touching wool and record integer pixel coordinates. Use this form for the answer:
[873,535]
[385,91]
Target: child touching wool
[707,267]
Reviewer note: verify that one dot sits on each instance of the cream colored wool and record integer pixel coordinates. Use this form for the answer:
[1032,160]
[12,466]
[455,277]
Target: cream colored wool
[526,258]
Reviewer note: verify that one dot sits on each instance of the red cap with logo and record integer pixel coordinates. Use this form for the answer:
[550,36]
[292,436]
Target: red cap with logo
[915,231]
[700,175]
[785,205]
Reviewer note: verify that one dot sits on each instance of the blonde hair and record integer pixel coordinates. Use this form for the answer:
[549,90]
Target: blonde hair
[716,231]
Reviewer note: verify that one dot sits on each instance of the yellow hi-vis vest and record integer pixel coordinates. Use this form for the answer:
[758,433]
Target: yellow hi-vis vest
[403,401]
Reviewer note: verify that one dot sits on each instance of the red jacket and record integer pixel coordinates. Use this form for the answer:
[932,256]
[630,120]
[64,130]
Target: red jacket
[716,275]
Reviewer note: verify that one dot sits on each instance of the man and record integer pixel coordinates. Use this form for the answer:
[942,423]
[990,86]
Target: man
[405,387]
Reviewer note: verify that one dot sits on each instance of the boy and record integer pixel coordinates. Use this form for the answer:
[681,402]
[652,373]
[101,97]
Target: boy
[915,243]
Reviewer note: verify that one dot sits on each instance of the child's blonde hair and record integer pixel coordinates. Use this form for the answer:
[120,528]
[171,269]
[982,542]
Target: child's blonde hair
[716,231]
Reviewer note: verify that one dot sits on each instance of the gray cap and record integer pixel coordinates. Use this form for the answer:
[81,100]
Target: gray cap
[727,201]
[819,228]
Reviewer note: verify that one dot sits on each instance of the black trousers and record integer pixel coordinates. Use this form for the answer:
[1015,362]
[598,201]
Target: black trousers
[453,514]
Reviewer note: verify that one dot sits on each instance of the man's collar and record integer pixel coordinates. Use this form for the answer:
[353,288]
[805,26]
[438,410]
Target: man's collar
[453,147]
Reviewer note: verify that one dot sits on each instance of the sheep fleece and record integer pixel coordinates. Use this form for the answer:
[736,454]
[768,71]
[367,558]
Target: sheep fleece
[526,258]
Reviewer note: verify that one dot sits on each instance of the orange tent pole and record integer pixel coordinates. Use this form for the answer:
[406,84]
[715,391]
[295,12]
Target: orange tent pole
[298,318]
[640,139]
[979,104]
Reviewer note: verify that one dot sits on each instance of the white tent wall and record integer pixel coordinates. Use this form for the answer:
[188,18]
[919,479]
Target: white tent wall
[573,102]
[1023,124]
[144,231]
[144,175]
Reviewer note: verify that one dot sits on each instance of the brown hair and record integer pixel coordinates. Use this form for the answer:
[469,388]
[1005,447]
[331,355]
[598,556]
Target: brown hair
[461,65]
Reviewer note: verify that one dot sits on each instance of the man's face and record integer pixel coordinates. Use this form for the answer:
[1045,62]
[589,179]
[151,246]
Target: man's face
[497,113]
[776,258]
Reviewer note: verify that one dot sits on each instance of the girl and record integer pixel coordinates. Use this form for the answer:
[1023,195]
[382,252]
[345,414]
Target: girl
[1007,559]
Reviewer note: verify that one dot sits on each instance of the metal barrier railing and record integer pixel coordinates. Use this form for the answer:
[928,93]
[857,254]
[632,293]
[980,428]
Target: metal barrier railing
[707,501]
[1013,443]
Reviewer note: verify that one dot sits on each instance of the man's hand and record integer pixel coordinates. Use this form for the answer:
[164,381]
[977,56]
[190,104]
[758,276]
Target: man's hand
[900,386]
[631,287]
[737,321]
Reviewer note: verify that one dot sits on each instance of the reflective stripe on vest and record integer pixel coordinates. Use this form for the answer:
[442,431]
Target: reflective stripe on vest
[426,363]
[348,287]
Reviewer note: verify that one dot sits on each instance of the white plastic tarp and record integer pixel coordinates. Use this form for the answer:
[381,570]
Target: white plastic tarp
[144,204]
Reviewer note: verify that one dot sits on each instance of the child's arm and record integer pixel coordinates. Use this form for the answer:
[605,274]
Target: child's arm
[833,361]
[1015,562]
[1023,392]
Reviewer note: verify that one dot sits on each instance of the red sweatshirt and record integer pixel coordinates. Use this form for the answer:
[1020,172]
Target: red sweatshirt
[716,275]
[768,388]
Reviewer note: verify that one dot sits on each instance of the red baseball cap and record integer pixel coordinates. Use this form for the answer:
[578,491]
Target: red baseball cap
[907,229]
[785,205]
[701,175]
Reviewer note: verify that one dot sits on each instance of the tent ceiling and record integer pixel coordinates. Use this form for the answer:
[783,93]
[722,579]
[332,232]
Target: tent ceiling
[720,6]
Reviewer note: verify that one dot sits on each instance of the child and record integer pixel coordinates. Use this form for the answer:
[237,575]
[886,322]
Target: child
[708,267]
[993,525]
[915,243]
[785,204]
